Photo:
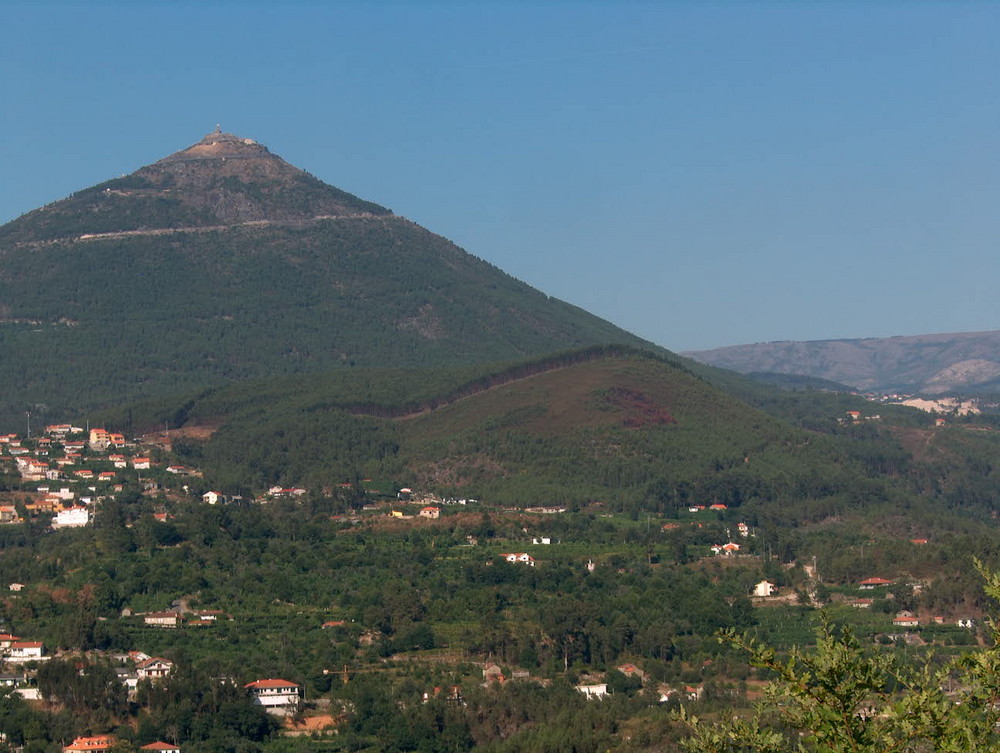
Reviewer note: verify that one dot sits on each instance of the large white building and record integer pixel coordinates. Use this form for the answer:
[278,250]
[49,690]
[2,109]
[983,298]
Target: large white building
[276,696]
[72,517]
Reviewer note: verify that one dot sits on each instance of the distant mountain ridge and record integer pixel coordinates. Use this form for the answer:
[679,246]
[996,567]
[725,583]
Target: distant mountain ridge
[961,362]
[223,262]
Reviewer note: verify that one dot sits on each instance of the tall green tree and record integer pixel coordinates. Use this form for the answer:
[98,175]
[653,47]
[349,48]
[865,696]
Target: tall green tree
[844,697]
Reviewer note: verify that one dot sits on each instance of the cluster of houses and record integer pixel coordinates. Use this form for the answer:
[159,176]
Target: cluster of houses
[69,456]
[105,743]
[718,506]
[177,617]
[904,618]
[856,417]
[275,492]
[279,697]
[408,495]
[429,511]
[665,692]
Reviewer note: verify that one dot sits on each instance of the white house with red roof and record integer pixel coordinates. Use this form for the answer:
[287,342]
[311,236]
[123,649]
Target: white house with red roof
[24,651]
[153,668]
[163,619]
[275,695]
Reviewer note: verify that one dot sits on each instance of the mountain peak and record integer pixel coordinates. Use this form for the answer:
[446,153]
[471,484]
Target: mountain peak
[219,145]
[222,179]
[225,262]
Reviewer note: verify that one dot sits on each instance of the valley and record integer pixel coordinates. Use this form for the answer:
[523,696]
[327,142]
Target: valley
[284,471]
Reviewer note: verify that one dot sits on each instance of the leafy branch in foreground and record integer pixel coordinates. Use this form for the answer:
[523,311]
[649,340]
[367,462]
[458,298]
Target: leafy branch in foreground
[842,698]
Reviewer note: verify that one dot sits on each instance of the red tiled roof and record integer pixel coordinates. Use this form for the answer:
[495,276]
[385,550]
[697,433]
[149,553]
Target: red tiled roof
[151,661]
[270,684]
[99,742]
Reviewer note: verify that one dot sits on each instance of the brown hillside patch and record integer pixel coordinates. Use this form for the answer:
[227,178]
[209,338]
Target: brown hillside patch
[607,393]
[458,471]
[200,432]
[639,408]
[310,724]
[920,443]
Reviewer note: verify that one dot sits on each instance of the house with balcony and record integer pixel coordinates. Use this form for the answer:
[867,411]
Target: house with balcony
[279,697]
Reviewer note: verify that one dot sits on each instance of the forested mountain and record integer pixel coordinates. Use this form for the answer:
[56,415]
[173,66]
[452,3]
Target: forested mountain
[963,362]
[223,262]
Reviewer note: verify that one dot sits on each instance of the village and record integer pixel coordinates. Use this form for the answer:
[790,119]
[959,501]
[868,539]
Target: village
[68,473]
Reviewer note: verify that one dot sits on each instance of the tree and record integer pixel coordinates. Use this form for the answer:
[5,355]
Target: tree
[842,698]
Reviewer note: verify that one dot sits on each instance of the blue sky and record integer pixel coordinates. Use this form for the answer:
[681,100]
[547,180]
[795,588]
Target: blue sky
[700,173]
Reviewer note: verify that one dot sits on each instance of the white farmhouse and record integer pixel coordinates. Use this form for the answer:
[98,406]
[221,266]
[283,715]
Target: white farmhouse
[23,651]
[276,696]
